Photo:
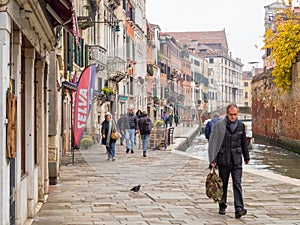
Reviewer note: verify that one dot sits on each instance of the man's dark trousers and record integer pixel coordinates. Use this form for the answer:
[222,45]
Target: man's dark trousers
[236,175]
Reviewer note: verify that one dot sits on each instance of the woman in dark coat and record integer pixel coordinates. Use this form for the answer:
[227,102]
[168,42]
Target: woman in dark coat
[176,119]
[109,126]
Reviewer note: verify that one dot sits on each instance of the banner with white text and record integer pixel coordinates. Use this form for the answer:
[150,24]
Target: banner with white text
[83,101]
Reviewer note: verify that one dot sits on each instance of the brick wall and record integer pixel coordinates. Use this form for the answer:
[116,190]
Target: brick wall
[275,116]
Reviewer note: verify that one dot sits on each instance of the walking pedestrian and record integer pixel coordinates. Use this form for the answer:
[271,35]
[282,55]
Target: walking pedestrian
[109,126]
[139,115]
[145,125]
[176,119]
[121,125]
[164,117]
[227,146]
[131,128]
[210,125]
[170,119]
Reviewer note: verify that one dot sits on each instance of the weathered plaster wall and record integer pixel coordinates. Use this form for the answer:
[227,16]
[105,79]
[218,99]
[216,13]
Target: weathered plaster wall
[275,116]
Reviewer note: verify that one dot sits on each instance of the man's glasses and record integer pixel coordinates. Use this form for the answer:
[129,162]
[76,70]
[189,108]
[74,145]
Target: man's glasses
[232,114]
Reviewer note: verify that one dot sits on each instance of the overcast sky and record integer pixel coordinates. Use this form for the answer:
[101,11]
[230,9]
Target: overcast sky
[243,21]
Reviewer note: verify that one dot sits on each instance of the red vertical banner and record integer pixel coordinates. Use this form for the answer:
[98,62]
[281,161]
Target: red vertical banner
[83,101]
[75,28]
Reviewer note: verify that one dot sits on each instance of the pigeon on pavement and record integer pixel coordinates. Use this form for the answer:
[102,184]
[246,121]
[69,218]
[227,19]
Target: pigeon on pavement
[136,188]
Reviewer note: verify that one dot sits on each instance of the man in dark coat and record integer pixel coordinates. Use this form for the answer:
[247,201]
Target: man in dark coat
[145,125]
[227,146]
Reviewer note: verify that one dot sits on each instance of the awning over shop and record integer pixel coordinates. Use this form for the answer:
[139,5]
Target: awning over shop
[62,12]
[123,98]
[182,106]
[70,85]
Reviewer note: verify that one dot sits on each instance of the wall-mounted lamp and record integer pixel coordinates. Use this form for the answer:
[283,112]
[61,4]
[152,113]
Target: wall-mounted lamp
[113,23]
[117,27]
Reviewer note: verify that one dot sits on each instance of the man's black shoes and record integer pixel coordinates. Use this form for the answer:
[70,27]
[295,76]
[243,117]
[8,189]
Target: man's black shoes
[240,213]
[129,150]
[222,211]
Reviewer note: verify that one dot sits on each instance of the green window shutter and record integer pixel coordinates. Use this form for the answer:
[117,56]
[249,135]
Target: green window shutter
[75,51]
[86,55]
[99,83]
[70,47]
[81,52]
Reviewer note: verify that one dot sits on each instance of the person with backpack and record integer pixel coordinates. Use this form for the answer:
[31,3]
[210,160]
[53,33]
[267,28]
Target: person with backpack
[210,125]
[145,125]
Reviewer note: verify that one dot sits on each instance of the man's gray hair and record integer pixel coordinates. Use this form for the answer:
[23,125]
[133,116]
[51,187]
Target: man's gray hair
[216,114]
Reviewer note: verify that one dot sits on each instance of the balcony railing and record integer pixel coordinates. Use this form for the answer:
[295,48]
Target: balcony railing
[115,64]
[97,54]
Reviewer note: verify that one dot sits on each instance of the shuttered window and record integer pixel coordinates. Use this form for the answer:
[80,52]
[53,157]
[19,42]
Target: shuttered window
[99,83]
[75,53]
[70,48]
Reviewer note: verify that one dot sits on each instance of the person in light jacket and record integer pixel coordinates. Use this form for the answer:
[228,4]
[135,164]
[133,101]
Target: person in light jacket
[131,128]
[227,146]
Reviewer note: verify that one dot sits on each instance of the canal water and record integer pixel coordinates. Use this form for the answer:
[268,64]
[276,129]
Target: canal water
[264,157]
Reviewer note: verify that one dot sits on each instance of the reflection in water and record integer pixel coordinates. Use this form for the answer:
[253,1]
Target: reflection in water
[276,159]
[263,157]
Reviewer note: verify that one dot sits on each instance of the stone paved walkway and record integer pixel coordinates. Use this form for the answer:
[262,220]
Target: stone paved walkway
[96,191]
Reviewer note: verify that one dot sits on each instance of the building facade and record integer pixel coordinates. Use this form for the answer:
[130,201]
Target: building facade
[247,92]
[270,14]
[212,46]
[32,100]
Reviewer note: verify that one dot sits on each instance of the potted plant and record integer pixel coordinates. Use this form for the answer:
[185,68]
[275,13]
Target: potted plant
[156,100]
[107,91]
[86,142]
[110,93]
[158,123]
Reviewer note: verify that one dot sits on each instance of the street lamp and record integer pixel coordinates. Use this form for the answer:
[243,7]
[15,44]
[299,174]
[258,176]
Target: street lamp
[115,24]
[86,21]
